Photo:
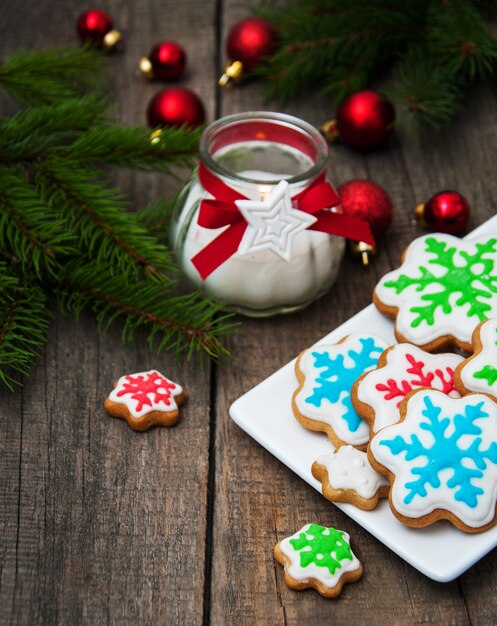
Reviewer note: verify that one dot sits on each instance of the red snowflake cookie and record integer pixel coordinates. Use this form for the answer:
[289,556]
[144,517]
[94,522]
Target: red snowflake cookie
[145,399]
[376,396]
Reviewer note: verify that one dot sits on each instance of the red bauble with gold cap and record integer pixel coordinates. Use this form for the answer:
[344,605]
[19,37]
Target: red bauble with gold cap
[176,106]
[95,27]
[248,42]
[166,61]
[363,121]
[446,212]
[369,201]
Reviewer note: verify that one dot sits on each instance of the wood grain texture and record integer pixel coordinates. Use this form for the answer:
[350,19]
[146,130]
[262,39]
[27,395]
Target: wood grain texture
[100,524]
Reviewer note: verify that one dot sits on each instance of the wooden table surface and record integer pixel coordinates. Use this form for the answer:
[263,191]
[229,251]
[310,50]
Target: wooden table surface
[99,524]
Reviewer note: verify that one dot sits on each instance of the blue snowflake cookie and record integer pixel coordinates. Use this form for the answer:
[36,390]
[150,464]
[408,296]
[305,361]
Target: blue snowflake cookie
[441,460]
[443,290]
[326,374]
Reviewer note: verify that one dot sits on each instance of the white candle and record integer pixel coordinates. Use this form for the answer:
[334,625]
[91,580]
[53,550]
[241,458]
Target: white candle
[260,280]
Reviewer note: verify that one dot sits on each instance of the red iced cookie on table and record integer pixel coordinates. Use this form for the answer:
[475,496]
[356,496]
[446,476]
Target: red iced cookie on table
[145,399]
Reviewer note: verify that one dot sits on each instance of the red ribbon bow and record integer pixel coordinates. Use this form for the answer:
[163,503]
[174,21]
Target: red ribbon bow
[316,200]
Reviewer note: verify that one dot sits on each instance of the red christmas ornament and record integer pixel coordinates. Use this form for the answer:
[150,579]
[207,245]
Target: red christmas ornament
[95,26]
[166,61]
[446,212]
[363,121]
[175,106]
[367,200]
[248,42]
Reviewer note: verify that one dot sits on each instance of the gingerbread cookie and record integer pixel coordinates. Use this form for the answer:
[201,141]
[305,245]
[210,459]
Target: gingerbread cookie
[441,459]
[443,290]
[145,399]
[479,372]
[320,558]
[376,395]
[347,476]
[326,373]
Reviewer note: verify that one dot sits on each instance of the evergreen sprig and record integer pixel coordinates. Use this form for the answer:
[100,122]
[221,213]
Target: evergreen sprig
[430,51]
[66,232]
[48,76]
[24,318]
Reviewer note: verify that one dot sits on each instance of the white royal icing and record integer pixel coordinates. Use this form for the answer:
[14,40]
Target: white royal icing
[483,364]
[465,442]
[455,323]
[349,468]
[321,574]
[439,367]
[337,412]
[159,395]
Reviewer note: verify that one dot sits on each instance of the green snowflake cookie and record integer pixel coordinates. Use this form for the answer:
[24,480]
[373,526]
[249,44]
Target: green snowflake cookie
[318,557]
[478,374]
[443,290]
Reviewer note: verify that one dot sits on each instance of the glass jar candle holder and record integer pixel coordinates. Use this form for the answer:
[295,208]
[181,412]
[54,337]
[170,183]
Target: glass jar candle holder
[246,227]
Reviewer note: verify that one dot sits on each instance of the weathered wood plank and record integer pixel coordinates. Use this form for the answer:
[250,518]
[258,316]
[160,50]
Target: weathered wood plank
[101,524]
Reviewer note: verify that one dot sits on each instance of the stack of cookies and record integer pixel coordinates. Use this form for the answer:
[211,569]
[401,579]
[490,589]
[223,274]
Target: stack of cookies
[417,421]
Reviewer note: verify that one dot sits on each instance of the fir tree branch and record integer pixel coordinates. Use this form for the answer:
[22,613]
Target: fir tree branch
[182,322]
[29,230]
[458,36]
[23,323]
[340,46]
[97,213]
[32,131]
[155,217]
[131,147]
[426,93]
[42,77]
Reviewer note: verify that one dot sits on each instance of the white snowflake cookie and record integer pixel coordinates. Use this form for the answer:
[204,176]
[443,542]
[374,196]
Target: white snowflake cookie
[479,372]
[443,290]
[145,399]
[347,476]
[326,373]
[376,396]
[320,558]
[441,460]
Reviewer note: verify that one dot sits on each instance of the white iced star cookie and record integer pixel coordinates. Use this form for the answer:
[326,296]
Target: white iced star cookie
[441,460]
[145,399]
[443,290]
[320,558]
[376,395]
[479,372]
[347,476]
[272,223]
[326,373]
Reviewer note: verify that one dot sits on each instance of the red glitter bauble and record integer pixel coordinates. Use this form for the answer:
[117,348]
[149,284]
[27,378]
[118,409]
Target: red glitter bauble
[367,200]
[168,60]
[93,25]
[445,212]
[175,106]
[364,120]
[250,40]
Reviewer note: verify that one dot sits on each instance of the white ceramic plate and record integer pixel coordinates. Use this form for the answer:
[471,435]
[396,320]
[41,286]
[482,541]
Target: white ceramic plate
[439,551]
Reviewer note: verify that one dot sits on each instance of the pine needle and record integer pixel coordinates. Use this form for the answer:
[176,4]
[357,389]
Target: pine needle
[43,77]
[24,320]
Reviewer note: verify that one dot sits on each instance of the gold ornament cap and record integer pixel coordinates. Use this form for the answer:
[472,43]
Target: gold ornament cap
[329,130]
[146,68]
[233,73]
[111,39]
[155,136]
[363,250]
[419,213]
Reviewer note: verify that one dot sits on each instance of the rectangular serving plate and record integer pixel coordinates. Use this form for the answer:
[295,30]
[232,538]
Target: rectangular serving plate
[440,551]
